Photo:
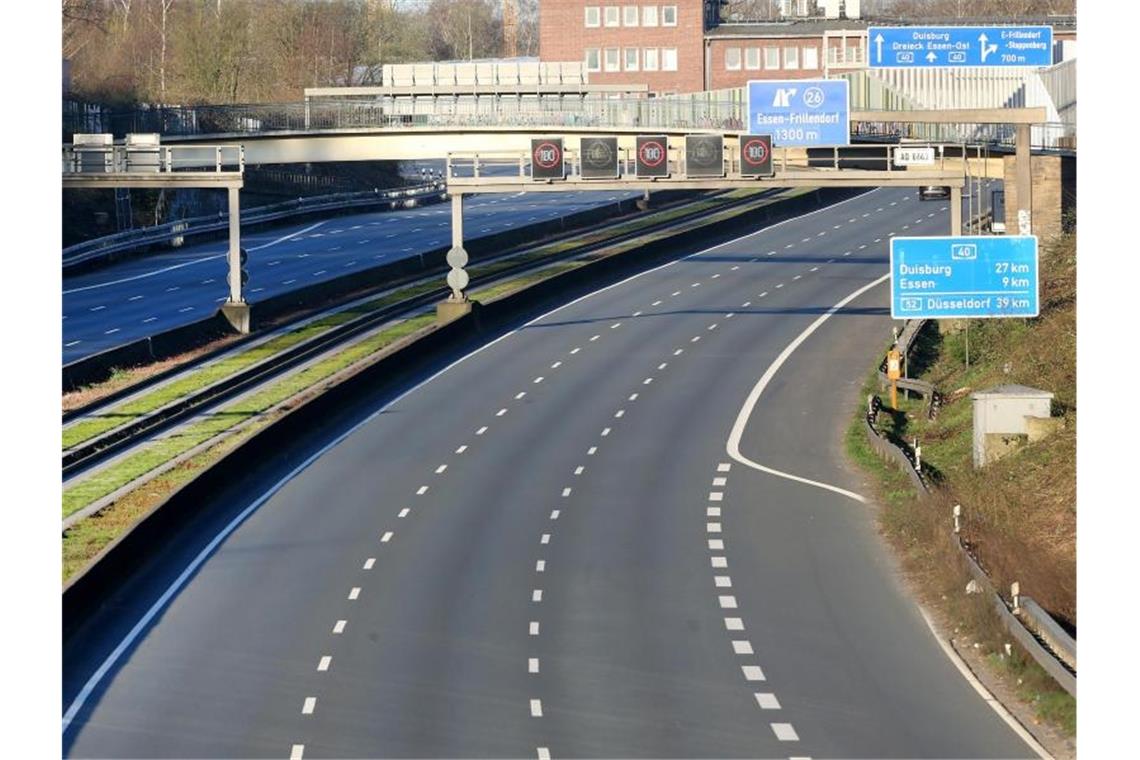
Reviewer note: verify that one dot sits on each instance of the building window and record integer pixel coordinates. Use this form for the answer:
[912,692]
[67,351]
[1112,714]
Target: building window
[612,63]
[593,59]
[854,54]
[668,15]
[668,59]
[811,58]
[593,16]
[732,59]
[629,15]
[791,58]
[752,58]
[631,59]
[833,54]
[649,15]
[612,18]
[649,60]
[772,59]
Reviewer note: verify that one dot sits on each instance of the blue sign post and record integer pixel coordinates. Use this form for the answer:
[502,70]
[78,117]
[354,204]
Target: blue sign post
[960,277]
[803,113]
[931,46]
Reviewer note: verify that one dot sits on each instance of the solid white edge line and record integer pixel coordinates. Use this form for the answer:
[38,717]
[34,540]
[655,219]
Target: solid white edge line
[732,446]
[85,693]
[983,692]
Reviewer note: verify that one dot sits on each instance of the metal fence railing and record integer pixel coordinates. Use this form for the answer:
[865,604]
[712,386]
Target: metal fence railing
[172,232]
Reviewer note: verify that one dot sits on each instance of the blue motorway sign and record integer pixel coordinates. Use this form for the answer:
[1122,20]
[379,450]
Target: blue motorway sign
[927,46]
[800,112]
[957,277]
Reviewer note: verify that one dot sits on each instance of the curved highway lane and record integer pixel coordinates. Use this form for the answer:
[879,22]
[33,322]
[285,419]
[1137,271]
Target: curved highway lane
[135,298]
[544,550]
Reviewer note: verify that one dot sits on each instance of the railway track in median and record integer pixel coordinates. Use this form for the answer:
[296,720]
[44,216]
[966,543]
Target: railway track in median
[115,440]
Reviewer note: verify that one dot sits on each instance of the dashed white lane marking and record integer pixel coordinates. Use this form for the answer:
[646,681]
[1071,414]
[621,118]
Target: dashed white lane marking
[779,286]
[615,325]
[575,350]
[770,253]
[136,298]
[481,430]
[556,365]
[369,563]
[647,381]
[520,395]
[540,566]
[354,594]
[655,303]
[678,352]
[339,627]
[309,706]
[761,295]
[403,512]
[501,412]
[636,314]
[675,293]
[720,481]
[545,538]
[714,276]
[740,646]
[173,288]
[633,397]
[554,514]
[878,240]
[727,602]
[723,467]
[722,581]
[695,285]
[767,701]
[695,338]
[717,544]
[734,268]
[712,326]
[533,629]
[712,512]
[441,469]
[297,752]
[565,492]
[386,537]
[536,595]
[752,672]
[536,708]
[72,343]
[806,240]
[729,314]
[289,282]
[862,246]
[112,331]
[421,490]
[98,308]
[821,234]
[543,753]
[619,414]
[594,337]
[790,245]
[591,451]
[532,665]
[605,432]
[784,731]
[716,495]
[579,470]
[732,446]
[798,276]
[814,269]
[719,562]
[323,665]
[461,449]
[733,624]
[712,527]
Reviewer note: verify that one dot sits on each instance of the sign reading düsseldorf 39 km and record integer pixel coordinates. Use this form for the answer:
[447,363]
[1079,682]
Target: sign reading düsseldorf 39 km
[928,46]
[800,113]
[959,277]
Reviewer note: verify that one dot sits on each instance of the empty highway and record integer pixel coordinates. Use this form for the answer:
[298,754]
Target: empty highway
[577,541]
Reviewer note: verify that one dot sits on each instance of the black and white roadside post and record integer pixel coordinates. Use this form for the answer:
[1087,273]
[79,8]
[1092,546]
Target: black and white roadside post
[235,309]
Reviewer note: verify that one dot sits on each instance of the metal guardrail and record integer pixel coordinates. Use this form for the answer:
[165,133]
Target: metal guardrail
[152,159]
[166,233]
[1045,641]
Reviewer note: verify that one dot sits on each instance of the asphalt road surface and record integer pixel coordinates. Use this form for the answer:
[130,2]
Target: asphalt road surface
[546,550]
[135,298]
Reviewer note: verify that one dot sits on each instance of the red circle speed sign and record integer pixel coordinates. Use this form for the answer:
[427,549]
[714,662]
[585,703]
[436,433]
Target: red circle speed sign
[755,152]
[548,155]
[651,153]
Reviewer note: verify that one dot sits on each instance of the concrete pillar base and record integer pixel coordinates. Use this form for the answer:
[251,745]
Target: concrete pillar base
[449,311]
[237,314]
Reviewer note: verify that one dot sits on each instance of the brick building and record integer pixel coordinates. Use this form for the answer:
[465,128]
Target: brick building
[675,46]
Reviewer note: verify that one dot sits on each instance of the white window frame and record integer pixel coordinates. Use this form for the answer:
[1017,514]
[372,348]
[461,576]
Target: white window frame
[616,20]
[649,15]
[629,15]
[597,57]
[597,16]
[814,63]
[752,58]
[771,55]
[664,9]
[791,58]
[728,55]
[646,56]
[625,59]
[665,54]
[616,59]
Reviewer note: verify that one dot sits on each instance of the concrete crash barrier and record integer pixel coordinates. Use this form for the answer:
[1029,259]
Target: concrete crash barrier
[184,524]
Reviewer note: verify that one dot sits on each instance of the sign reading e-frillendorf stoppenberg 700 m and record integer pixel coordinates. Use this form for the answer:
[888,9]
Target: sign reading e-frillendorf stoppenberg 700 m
[953,46]
[959,277]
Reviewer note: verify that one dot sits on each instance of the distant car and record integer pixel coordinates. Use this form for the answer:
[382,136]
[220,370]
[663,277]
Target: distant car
[933,192]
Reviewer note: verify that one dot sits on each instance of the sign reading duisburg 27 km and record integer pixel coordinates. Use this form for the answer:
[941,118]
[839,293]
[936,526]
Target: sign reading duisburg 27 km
[929,46]
[803,113]
[960,277]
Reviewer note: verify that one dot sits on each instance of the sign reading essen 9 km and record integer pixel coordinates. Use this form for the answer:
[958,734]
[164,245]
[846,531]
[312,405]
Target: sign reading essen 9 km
[805,113]
[963,277]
